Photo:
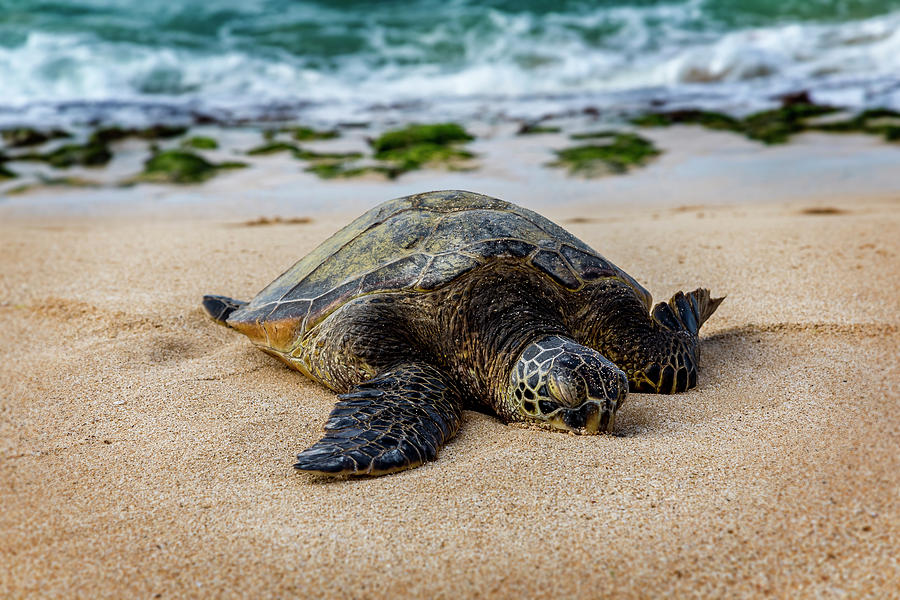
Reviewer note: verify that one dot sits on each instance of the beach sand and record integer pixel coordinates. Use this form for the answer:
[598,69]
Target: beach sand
[146,452]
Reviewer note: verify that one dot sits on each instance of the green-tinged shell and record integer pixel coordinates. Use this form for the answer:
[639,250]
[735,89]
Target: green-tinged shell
[417,244]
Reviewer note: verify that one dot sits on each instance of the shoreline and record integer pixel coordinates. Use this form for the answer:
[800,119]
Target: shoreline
[694,166]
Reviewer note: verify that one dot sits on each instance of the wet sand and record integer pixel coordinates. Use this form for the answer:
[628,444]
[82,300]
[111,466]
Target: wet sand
[146,452]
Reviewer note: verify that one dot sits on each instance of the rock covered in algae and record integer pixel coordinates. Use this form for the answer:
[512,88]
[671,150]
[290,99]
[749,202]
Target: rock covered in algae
[200,142]
[439,134]
[179,166]
[91,154]
[105,135]
[417,145]
[302,133]
[339,170]
[778,125]
[622,152]
[19,137]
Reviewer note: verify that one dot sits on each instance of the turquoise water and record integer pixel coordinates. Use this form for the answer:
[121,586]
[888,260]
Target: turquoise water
[232,59]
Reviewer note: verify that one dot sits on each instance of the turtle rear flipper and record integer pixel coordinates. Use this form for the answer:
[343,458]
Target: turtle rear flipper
[220,307]
[395,421]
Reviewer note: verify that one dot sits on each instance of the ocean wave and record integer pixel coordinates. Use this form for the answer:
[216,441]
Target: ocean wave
[799,52]
[513,62]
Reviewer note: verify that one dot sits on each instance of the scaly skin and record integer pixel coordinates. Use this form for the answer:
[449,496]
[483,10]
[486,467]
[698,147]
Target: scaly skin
[558,383]
[395,421]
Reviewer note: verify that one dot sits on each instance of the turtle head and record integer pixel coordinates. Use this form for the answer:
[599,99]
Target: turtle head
[561,384]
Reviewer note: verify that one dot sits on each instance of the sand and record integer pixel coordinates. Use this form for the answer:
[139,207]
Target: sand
[146,452]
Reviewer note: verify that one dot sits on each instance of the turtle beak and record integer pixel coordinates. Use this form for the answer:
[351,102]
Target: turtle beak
[592,420]
[593,416]
[585,418]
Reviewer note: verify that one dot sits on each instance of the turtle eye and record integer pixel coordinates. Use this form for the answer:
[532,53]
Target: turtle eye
[551,389]
[563,390]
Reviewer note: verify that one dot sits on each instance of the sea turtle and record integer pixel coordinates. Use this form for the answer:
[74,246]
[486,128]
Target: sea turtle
[439,301]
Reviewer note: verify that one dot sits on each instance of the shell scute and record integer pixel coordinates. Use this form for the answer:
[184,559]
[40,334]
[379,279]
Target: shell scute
[449,201]
[396,275]
[588,266]
[504,248]
[553,265]
[444,268]
[333,299]
[462,228]
[288,310]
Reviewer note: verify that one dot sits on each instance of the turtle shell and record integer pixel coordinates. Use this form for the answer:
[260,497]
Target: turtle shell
[416,244]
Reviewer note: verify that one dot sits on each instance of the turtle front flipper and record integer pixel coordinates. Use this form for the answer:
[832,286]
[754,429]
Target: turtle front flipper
[397,420]
[658,351]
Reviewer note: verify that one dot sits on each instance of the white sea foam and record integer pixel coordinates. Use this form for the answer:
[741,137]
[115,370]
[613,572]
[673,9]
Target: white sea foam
[799,52]
[518,72]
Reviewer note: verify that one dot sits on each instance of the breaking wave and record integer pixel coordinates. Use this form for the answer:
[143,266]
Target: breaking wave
[127,61]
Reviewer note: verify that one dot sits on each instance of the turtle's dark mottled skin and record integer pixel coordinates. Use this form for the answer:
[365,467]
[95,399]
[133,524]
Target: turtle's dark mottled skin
[430,303]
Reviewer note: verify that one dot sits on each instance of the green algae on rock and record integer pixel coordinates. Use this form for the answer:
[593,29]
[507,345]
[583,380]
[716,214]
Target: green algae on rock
[200,143]
[536,129]
[272,148]
[5,173]
[91,154]
[105,135]
[304,154]
[875,121]
[708,119]
[396,151]
[306,134]
[773,126]
[417,145]
[301,153]
[440,134]
[331,170]
[20,137]
[624,151]
[301,133]
[177,166]
[337,170]
[591,135]
[232,164]
[776,126]
[418,155]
